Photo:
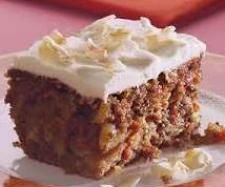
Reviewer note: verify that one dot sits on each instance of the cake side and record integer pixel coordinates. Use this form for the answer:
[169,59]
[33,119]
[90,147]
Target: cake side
[89,136]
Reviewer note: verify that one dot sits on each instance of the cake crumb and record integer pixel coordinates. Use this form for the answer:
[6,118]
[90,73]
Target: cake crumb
[166,179]
[215,133]
[16,144]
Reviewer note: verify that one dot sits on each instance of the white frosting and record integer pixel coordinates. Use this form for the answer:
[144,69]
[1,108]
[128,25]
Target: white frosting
[110,55]
[183,165]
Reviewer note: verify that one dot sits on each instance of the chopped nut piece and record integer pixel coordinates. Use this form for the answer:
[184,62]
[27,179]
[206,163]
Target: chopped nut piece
[115,39]
[57,37]
[163,38]
[101,114]
[215,133]
[50,51]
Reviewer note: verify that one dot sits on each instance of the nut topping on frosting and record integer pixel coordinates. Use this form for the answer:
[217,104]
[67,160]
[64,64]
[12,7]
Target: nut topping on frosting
[57,37]
[110,55]
[114,39]
[162,39]
[50,48]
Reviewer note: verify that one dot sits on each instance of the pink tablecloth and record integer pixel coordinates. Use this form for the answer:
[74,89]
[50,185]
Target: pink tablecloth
[22,22]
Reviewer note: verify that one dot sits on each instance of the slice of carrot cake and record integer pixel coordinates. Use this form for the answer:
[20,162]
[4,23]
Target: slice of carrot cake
[115,92]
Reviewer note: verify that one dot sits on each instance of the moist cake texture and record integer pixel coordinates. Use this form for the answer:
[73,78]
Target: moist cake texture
[111,118]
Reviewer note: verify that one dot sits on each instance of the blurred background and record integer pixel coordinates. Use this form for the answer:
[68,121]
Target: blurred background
[24,21]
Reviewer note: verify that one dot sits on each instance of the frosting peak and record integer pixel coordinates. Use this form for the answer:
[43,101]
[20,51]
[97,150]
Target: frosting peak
[110,55]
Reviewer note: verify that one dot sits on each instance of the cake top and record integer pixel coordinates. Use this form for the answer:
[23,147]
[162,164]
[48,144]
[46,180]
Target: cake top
[110,55]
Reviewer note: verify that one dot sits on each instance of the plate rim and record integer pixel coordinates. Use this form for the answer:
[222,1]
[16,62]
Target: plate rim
[217,57]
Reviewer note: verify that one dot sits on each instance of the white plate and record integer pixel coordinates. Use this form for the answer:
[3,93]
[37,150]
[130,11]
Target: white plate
[14,162]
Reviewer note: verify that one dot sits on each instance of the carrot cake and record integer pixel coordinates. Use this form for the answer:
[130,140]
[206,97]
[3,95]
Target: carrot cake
[117,91]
